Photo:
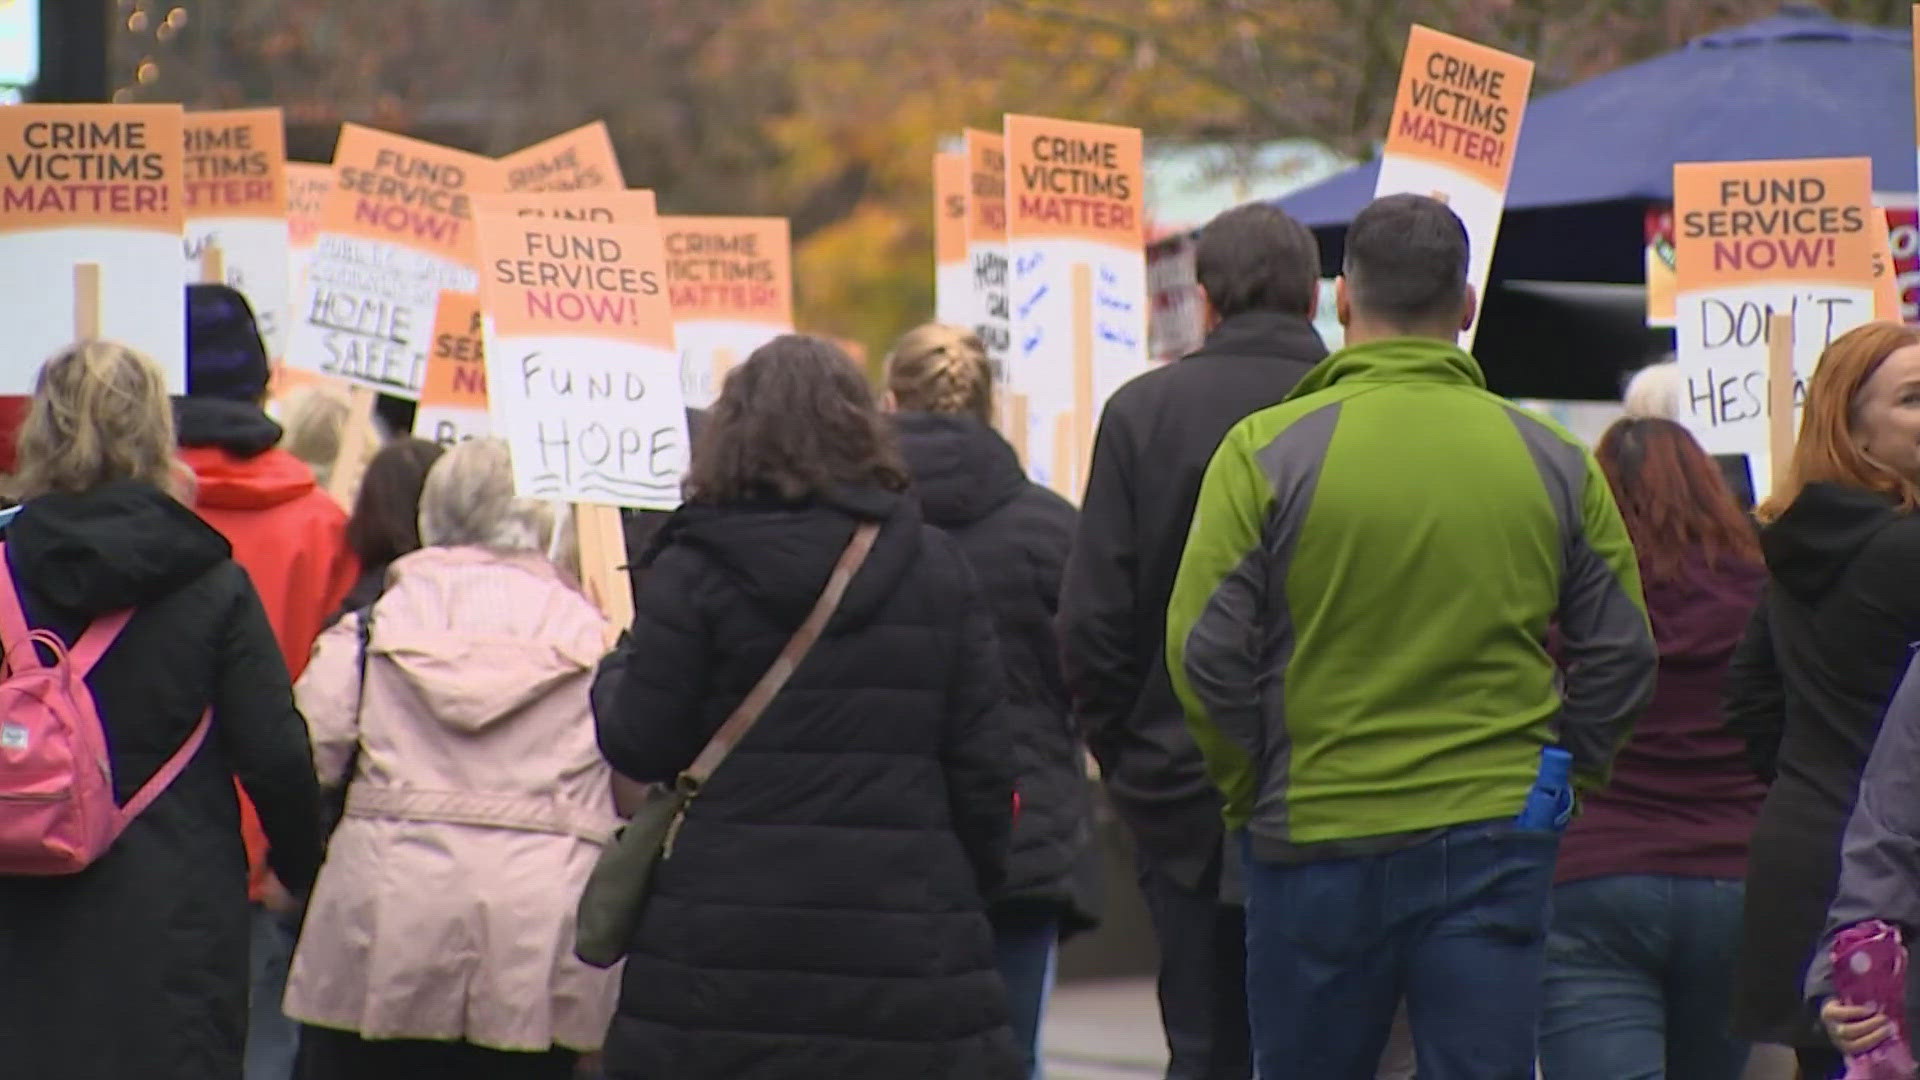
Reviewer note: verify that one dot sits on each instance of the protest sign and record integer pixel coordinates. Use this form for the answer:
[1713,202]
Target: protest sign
[307,187]
[1177,309]
[608,207]
[579,160]
[1755,239]
[91,214]
[1903,227]
[952,278]
[1659,258]
[396,229]
[731,284]
[1456,120]
[1075,240]
[237,232]
[583,378]
[453,400]
[1886,282]
[987,247]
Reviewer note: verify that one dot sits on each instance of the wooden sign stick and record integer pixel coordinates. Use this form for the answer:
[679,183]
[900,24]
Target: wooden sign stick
[213,265]
[1780,379]
[1082,428]
[603,562]
[356,440]
[1017,422]
[723,361]
[86,301]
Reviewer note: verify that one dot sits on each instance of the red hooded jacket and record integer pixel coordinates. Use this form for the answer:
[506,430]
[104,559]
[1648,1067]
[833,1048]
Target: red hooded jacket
[288,534]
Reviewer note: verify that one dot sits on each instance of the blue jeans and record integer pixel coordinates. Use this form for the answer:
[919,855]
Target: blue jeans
[1026,945]
[273,1041]
[1456,925]
[1640,978]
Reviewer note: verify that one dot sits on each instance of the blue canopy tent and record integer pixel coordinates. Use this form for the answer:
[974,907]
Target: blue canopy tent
[1593,157]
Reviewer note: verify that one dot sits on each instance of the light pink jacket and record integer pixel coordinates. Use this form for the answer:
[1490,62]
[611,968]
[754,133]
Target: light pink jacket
[445,909]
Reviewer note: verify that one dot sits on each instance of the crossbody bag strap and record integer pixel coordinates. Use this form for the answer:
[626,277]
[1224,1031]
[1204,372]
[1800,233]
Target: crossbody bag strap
[762,694]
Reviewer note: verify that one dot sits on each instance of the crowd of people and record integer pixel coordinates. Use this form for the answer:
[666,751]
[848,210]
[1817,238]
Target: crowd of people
[1328,628]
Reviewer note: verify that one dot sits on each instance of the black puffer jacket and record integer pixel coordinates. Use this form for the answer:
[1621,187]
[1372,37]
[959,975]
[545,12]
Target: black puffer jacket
[137,967]
[1016,535]
[821,914]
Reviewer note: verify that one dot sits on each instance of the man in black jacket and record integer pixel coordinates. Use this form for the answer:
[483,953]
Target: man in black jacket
[1260,271]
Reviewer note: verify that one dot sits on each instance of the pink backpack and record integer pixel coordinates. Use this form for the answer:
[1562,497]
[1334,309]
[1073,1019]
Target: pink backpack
[57,814]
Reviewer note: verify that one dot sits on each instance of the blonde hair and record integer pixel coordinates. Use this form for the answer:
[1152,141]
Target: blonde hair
[938,368]
[315,419]
[1654,393]
[100,413]
[468,501]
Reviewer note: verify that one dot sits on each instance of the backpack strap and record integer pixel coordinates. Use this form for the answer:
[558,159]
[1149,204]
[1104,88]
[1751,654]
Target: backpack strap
[167,773]
[94,642]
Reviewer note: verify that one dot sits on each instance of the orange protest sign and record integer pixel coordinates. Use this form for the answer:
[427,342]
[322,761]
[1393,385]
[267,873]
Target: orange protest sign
[548,277]
[1072,180]
[456,368]
[582,374]
[307,187]
[1459,105]
[578,160]
[404,191]
[91,217]
[236,164]
[105,166]
[729,268]
[950,208]
[987,186]
[1752,222]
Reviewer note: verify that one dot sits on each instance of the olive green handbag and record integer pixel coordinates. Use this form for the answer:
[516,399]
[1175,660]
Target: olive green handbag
[616,892]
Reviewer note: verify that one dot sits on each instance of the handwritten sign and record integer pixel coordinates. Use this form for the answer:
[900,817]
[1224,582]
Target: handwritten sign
[953,302]
[579,160]
[582,374]
[1756,238]
[987,246]
[396,230]
[1456,121]
[1177,309]
[731,282]
[453,400]
[1075,237]
[237,230]
[92,209]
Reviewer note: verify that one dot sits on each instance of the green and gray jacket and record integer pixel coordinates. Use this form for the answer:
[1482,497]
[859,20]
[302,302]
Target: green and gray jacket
[1358,633]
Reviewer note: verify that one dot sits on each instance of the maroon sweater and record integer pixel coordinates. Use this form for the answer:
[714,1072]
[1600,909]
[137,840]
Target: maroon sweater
[1683,799]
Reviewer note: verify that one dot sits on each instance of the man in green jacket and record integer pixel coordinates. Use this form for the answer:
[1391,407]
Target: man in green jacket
[1358,637]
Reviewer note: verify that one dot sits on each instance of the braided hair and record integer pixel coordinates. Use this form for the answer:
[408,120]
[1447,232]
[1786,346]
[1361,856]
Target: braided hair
[937,368]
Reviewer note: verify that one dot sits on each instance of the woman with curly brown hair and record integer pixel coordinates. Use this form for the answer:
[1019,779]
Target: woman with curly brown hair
[822,913]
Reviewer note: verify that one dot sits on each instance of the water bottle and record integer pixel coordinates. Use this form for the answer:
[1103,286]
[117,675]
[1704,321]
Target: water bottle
[1550,801]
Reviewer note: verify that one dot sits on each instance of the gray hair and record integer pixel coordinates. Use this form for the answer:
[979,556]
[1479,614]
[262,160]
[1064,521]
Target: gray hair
[1654,392]
[468,501]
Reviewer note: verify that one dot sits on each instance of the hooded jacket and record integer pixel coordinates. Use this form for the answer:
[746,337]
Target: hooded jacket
[822,913]
[1156,435]
[138,965]
[475,811]
[1358,631]
[287,534]
[1683,799]
[1016,535]
[1807,689]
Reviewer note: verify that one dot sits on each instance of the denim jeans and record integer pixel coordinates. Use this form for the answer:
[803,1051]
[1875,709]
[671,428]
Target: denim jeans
[1640,979]
[1455,925]
[273,1041]
[1026,945]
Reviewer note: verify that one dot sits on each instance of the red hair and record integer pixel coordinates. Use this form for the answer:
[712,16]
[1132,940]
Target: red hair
[1826,450]
[1676,504]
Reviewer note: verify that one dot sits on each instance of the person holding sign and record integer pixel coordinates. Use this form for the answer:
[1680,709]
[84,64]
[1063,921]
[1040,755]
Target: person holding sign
[137,967]
[1357,637]
[822,910]
[1810,680]
[1260,272]
[1016,535]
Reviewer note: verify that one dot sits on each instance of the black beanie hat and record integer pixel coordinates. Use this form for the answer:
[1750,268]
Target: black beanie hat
[225,357]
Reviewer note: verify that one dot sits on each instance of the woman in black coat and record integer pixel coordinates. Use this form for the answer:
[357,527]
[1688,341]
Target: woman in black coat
[1016,536]
[1808,684]
[821,913]
[137,966]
